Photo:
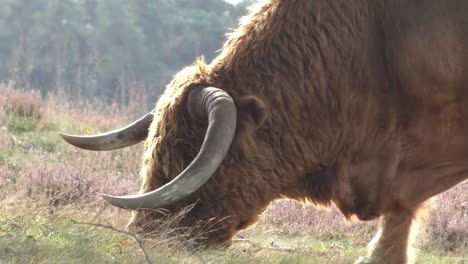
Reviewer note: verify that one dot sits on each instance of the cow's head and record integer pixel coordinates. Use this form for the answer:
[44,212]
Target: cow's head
[198,150]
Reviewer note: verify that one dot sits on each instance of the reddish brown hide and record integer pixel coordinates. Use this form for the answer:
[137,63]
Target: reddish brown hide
[361,103]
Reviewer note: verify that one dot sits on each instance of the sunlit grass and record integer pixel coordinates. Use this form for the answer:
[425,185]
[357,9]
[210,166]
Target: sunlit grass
[54,238]
[49,205]
[33,238]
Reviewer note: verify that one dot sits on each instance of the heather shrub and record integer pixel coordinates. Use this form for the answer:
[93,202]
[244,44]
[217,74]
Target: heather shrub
[289,217]
[20,110]
[5,178]
[3,115]
[21,103]
[59,185]
[448,222]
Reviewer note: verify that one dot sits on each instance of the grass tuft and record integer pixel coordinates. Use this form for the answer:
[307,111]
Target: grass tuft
[50,210]
[20,103]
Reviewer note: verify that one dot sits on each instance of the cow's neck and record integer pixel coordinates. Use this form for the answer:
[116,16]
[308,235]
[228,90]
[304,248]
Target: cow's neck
[306,87]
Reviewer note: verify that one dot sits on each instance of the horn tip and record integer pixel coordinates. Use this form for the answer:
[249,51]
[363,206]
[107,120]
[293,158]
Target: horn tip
[108,198]
[64,135]
[116,201]
[67,137]
[74,140]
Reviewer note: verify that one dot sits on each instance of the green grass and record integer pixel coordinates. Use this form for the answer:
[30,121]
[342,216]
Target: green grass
[56,239]
[19,124]
[52,240]
[34,160]
[45,240]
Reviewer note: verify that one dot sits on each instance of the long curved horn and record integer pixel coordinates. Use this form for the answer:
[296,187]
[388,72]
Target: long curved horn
[116,139]
[207,103]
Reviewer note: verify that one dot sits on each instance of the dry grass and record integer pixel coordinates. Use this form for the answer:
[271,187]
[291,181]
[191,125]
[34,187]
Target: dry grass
[448,224]
[44,184]
[21,103]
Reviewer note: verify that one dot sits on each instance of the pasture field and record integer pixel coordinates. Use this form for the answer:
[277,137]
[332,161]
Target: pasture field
[50,210]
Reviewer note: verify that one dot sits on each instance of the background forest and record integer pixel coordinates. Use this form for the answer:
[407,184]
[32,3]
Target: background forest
[110,50]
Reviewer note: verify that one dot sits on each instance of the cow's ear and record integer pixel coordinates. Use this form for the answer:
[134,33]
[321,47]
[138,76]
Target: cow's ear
[254,107]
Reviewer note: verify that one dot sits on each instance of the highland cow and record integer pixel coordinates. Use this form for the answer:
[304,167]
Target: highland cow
[357,103]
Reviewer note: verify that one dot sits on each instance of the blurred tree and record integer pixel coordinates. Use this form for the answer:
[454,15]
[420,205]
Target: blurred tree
[113,50]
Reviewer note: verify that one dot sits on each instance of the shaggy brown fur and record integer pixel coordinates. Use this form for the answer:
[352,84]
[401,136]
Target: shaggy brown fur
[359,103]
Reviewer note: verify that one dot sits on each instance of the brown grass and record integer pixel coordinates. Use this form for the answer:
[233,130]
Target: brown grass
[448,223]
[19,102]
[65,182]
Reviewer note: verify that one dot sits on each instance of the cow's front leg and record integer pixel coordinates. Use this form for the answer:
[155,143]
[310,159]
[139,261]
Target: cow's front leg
[392,244]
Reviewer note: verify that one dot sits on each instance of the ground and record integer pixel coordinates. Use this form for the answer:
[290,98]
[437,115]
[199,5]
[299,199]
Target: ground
[50,210]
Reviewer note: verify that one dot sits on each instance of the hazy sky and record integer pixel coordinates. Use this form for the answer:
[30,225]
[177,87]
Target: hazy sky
[233,1]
